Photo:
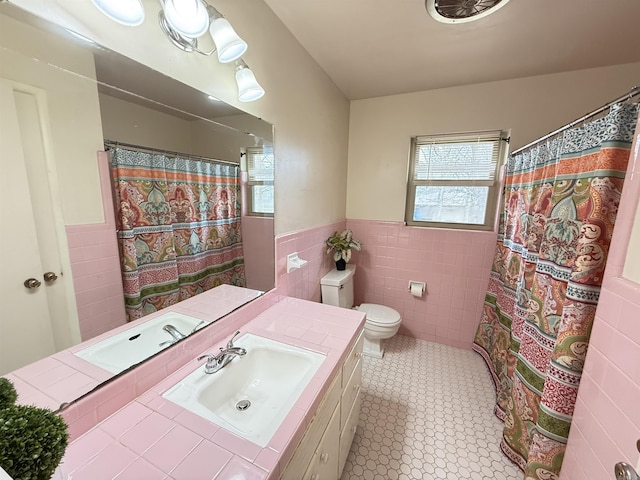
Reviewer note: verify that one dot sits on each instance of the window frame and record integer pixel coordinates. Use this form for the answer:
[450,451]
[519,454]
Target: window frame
[501,136]
[250,184]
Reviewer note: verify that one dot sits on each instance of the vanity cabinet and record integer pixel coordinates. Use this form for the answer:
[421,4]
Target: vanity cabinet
[323,450]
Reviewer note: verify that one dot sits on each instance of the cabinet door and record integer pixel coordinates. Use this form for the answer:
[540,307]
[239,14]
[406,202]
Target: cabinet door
[327,453]
[352,359]
[350,393]
[346,437]
[312,471]
[302,458]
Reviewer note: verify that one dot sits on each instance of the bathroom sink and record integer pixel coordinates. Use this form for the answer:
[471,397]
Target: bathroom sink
[252,395]
[131,346]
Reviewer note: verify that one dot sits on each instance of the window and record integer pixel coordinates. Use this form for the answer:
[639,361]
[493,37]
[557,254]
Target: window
[260,174]
[453,180]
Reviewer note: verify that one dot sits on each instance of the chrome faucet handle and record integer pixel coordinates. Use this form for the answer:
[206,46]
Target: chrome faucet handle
[174,332]
[220,356]
[202,322]
[212,364]
[230,342]
[237,351]
[210,358]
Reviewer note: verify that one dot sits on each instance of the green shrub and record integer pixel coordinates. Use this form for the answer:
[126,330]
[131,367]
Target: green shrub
[32,442]
[8,394]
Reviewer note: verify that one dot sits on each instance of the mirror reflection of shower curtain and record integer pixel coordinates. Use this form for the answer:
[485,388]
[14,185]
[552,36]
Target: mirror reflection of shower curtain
[559,210]
[178,223]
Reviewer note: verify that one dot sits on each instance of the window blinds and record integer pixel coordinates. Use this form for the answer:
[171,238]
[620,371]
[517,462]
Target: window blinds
[469,159]
[260,164]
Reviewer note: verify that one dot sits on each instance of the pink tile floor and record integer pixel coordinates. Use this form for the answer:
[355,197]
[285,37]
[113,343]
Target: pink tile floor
[427,414]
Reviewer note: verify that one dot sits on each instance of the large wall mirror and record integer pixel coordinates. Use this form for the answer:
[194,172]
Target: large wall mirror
[61,98]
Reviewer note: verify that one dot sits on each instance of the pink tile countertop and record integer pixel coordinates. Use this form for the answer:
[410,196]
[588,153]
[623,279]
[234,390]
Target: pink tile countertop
[153,438]
[64,377]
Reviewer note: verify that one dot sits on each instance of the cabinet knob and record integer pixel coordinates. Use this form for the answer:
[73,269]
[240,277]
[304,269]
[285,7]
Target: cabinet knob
[358,354]
[324,458]
[315,476]
[356,386]
[353,429]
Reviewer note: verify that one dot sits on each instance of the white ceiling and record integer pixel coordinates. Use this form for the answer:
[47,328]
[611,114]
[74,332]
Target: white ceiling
[373,48]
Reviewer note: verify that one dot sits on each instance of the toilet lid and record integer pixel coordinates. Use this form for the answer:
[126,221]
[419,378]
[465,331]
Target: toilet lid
[379,314]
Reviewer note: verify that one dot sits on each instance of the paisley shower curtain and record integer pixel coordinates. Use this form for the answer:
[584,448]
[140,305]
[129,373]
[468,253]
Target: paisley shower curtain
[559,207]
[178,223]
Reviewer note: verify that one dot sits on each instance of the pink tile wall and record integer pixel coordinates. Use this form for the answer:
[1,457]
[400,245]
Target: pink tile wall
[95,266]
[606,421]
[455,265]
[304,282]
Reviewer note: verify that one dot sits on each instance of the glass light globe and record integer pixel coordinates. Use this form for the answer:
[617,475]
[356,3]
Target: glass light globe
[248,87]
[187,17]
[229,45]
[125,12]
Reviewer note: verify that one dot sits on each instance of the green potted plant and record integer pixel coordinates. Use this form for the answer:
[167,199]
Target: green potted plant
[32,440]
[8,394]
[341,244]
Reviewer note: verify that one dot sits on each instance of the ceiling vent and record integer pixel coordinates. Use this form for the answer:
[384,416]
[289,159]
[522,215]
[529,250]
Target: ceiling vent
[461,11]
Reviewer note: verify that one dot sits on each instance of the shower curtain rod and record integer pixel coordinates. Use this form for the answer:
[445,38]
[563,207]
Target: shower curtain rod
[115,144]
[630,94]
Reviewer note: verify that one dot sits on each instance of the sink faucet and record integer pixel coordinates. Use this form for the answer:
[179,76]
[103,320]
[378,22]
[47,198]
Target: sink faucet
[219,361]
[175,334]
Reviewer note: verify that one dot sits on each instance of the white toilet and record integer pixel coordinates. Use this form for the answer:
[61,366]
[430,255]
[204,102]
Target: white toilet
[381,323]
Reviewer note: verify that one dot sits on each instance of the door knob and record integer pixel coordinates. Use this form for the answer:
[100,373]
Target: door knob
[624,471]
[50,277]
[32,283]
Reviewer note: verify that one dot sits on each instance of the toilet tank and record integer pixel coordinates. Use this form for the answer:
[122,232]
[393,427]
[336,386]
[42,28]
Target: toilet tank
[337,287]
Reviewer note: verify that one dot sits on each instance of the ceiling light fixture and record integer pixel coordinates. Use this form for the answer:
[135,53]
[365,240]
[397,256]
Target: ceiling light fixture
[182,22]
[125,12]
[248,87]
[228,44]
[462,11]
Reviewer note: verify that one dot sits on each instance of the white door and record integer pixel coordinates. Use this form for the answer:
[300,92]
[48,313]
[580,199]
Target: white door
[34,322]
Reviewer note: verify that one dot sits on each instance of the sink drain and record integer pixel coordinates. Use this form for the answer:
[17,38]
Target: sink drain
[243,405]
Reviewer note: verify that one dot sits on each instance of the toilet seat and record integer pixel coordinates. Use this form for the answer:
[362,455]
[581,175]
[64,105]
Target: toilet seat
[380,315]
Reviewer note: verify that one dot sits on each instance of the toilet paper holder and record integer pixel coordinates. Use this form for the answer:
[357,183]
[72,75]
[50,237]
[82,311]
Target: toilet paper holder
[417,288]
[294,262]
